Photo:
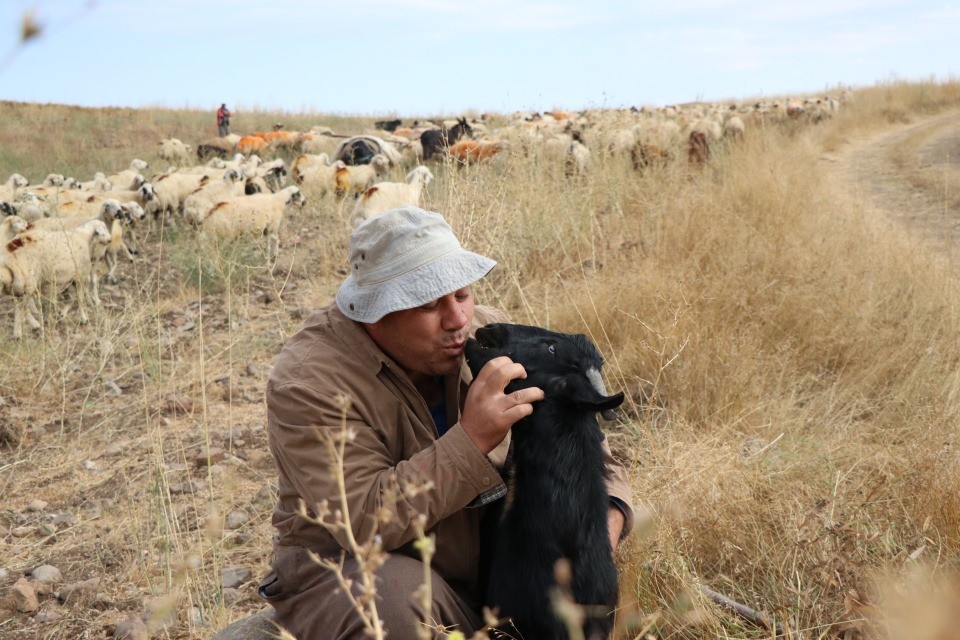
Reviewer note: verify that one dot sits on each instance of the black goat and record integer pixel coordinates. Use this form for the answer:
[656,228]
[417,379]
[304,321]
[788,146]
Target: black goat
[435,141]
[557,503]
[206,151]
[387,125]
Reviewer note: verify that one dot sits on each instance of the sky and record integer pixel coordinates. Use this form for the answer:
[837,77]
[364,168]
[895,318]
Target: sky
[413,58]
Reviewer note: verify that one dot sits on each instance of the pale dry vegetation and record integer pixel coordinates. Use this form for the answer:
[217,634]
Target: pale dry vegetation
[790,360]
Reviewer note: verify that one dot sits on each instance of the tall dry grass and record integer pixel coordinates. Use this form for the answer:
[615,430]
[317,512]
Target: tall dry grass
[789,356]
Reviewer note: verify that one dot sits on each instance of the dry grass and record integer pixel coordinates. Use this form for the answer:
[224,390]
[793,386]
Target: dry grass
[790,363]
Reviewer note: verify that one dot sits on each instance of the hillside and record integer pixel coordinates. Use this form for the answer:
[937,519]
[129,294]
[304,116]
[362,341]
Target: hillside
[783,319]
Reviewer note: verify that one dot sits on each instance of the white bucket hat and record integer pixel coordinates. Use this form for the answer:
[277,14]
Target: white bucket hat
[404,258]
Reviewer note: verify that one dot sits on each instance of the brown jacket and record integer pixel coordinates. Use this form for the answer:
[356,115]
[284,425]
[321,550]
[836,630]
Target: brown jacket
[396,443]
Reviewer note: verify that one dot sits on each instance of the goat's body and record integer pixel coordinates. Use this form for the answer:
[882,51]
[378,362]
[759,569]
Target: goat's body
[437,141]
[556,508]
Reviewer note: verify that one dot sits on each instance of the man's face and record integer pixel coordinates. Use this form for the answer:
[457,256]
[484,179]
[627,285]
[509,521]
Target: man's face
[427,340]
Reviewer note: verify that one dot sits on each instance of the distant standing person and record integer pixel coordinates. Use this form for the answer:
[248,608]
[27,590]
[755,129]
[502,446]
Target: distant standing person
[223,120]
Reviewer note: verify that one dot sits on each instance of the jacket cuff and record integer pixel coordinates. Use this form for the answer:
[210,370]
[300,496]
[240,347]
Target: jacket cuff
[472,465]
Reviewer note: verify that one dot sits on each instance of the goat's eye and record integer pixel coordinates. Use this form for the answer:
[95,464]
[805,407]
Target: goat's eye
[552,349]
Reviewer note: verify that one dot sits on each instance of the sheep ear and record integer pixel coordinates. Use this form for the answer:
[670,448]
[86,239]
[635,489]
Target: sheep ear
[579,391]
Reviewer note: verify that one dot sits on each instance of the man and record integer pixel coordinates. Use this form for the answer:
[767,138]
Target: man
[393,344]
[223,120]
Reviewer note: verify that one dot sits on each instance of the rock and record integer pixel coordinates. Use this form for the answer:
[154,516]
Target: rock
[23,597]
[65,519]
[131,629]
[178,405]
[36,505]
[233,577]
[231,596]
[266,497]
[239,538]
[49,612]
[111,387]
[207,457]
[82,591]
[89,465]
[46,574]
[259,626]
[236,519]
[21,532]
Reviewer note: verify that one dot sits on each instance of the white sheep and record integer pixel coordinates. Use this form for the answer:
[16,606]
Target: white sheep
[174,150]
[11,275]
[125,178]
[113,215]
[319,143]
[733,127]
[30,207]
[172,188]
[231,185]
[100,183]
[390,195]
[8,190]
[51,261]
[359,178]
[576,156]
[267,177]
[254,215]
[315,173]
[53,180]
[11,226]
[84,204]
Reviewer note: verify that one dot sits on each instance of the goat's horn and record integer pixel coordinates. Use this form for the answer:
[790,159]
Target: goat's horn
[596,381]
[594,377]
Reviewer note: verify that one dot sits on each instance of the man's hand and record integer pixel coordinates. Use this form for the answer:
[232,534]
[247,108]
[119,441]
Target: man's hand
[615,522]
[488,412]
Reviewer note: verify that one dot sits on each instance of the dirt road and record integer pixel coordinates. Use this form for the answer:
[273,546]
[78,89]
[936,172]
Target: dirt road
[910,173]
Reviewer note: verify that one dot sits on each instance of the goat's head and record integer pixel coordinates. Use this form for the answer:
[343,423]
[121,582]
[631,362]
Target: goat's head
[565,366]
[465,128]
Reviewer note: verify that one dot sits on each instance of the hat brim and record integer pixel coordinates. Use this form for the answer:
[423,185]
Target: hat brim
[426,283]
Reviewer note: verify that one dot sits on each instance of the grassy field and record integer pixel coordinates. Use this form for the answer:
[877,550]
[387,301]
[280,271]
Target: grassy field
[790,362]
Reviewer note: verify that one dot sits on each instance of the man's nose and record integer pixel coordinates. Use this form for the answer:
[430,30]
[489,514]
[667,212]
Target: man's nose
[454,317]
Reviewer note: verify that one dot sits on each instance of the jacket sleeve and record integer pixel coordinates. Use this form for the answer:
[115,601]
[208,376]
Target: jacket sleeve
[618,488]
[382,496]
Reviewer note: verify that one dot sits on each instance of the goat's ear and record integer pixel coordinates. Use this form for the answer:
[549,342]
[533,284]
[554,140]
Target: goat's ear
[577,390]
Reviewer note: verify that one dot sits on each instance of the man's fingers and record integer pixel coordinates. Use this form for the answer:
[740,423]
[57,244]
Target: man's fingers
[501,370]
[518,412]
[530,394]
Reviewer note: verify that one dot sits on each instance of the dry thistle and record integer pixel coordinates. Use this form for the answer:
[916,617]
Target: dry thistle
[561,600]
[426,546]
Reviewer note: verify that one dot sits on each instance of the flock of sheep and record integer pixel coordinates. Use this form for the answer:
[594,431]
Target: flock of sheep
[55,235]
